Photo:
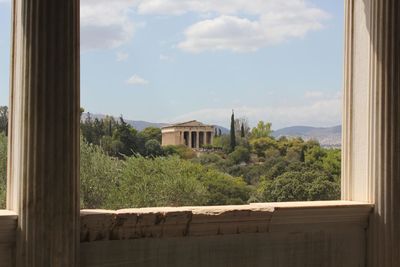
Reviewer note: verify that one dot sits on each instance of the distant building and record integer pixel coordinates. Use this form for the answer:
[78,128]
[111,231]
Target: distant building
[192,134]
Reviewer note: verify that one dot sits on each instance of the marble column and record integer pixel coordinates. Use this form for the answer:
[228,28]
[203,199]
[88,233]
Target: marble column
[371,135]
[190,139]
[43,177]
[197,139]
[384,231]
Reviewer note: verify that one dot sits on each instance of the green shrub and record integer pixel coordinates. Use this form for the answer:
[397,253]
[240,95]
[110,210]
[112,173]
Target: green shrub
[3,170]
[181,150]
[153,148]
[298,186]
[99,175]
[241,154]
[163,181]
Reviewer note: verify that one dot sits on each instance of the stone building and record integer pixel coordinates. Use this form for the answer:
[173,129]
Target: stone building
[192,134]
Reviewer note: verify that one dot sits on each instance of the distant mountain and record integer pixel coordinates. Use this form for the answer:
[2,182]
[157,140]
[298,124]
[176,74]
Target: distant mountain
[328,136]
[141,125]
[138,125]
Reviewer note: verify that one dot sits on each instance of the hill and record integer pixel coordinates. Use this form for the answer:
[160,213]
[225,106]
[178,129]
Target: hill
[327,136]
[141,125]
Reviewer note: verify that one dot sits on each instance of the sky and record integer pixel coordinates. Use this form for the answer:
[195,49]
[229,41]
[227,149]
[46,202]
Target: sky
[178,60]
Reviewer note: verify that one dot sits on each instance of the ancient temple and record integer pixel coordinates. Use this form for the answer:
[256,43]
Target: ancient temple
[192,134]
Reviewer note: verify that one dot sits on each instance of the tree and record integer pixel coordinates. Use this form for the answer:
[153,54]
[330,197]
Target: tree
[222,142]
[260,145]
[99,174]
[242,126]
[242,133]
[151,133]
[241,154]
[126,136]
[162,181]
[153,148]
[109,125]
[98,131]
[87,128]
[306,185]
[233,133]
[4,120]
[223,189]
[262,130]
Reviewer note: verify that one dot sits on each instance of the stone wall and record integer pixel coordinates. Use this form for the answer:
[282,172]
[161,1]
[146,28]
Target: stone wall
[276,234]
[170,138]
[330,233]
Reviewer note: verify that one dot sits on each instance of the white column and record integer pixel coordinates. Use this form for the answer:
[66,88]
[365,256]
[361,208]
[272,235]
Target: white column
[371,154]
[197,139]
[43,177]
[190,139]
[182,140]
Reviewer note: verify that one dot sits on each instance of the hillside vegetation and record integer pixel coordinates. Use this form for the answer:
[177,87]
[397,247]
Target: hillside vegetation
[122,168]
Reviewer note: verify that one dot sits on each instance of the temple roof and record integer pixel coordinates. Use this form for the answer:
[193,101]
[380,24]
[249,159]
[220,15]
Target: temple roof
[192,123]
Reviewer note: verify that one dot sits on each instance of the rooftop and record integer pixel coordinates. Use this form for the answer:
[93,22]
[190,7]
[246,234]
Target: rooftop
[192,123]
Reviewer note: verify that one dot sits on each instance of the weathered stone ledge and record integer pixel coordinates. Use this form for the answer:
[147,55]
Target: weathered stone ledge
[8,226]
[100,225]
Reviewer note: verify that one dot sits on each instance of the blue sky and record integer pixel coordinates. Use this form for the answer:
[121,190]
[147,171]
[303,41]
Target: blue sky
[177,60]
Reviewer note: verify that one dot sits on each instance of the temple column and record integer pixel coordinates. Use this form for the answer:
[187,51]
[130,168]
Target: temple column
[371,134]
[190,139]
[197,139]
[384,172]
[43,166]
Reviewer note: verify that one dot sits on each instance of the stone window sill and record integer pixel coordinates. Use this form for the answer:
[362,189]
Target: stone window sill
[8,226]
[168,222]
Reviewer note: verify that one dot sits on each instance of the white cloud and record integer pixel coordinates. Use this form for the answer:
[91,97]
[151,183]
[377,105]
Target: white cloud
[243,35]
[121,56]
[223,33]
[106,24]
[320,112]
[137,80]
[109,24]
[178,7]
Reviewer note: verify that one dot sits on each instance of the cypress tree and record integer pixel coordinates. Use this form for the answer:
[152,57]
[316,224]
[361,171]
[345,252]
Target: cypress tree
[109,128]
[233,134]
[242,134]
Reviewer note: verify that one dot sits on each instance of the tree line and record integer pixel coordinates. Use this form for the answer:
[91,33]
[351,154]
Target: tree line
[122,167]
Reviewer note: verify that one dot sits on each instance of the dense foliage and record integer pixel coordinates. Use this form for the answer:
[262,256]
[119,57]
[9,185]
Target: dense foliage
[122,167]
[160,181]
